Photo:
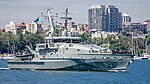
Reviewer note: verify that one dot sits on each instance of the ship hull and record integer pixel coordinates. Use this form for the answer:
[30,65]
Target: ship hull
[71,64]
[3,64]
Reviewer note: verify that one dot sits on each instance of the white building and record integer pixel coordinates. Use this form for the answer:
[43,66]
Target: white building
[12,27]
[147,22]
[33,27]
[103,34]
[126,18]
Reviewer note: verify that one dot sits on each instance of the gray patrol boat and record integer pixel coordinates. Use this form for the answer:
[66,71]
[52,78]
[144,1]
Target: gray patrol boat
[68,53]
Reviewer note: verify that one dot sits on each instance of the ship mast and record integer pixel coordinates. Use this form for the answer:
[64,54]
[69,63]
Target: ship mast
[66,18]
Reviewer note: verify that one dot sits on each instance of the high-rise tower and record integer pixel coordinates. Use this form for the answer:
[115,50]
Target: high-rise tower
[104,18]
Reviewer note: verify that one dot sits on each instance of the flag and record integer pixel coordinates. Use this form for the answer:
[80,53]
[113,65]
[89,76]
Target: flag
[36,20]
[44,20]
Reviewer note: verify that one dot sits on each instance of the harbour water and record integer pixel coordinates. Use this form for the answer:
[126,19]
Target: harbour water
[137,73]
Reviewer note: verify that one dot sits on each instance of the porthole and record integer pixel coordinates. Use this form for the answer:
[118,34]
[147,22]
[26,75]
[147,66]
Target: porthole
[66,48]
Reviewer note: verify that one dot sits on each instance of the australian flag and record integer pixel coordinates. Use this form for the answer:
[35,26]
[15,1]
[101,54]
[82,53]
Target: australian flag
[37,19]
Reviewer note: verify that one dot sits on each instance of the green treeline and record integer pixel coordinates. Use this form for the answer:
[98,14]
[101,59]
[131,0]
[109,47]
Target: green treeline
[9,41]
[124,43]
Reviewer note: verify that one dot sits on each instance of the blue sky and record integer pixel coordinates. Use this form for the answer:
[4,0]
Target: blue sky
[28,10]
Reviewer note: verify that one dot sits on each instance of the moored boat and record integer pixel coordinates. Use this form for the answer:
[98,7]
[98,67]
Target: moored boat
[145,56]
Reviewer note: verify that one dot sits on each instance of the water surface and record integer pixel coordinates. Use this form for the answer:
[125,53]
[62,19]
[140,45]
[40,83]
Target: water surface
[137,73]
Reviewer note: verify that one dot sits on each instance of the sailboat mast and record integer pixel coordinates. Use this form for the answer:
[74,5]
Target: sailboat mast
[146,47]
[14,52]
[132,44]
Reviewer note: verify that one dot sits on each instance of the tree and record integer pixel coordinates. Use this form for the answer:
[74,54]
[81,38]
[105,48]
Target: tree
[32,39]
[86,37]
[8,40]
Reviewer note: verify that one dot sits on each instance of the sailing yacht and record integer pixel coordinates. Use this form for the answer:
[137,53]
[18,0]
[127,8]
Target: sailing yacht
[145,55]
